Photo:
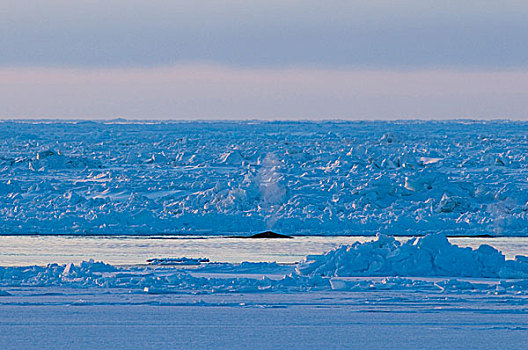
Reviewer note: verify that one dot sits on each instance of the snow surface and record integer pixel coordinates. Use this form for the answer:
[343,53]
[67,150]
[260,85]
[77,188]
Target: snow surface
[325,178]
[61,318]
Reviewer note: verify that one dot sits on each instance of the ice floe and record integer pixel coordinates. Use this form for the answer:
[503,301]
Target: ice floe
[429,256]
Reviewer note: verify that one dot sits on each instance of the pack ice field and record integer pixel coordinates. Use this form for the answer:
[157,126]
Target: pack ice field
[298,178]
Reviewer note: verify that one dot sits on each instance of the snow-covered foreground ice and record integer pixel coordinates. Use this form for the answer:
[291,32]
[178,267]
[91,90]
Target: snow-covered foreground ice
[383,293]
[88,319]
[326,178]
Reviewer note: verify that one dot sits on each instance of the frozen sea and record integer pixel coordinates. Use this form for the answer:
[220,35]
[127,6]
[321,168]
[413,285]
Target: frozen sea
[121,192]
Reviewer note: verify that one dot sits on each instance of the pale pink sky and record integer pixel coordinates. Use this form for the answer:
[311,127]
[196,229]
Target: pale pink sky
[190,91]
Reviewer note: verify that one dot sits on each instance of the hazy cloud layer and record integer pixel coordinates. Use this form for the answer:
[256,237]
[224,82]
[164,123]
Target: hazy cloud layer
[272,33]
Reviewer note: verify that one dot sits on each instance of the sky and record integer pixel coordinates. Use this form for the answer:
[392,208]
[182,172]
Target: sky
[271,59]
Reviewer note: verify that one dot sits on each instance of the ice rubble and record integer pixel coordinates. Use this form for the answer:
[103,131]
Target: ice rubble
[403,266]
[429,256]
[239,177]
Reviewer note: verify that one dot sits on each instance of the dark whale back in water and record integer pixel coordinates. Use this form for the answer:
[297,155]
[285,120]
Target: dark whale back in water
[269,234]
[266,234]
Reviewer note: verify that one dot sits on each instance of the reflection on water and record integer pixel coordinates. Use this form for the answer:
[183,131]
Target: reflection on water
[127,250]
